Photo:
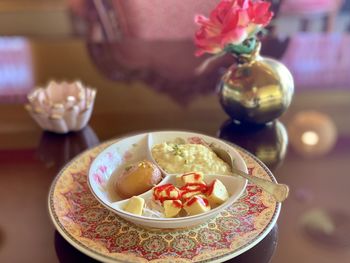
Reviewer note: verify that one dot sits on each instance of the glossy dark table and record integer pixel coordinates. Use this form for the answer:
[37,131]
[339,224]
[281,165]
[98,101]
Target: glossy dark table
[314,223]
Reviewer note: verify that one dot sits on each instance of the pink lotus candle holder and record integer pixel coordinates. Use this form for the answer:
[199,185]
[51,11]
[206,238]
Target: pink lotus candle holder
[61,107]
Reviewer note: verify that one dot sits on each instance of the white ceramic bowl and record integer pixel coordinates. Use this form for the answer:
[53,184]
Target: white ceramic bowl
[61,107]
[136,148]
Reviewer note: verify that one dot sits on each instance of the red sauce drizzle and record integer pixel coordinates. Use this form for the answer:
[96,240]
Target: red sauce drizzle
[185,199]
[211,188]
[197,187]
[192,188]
[197,176]
[162,187]
[177,203]
[191,201]
[204,201]
[168,188]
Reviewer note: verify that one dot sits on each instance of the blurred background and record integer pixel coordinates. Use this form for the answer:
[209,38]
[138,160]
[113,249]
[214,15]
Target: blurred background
[310,36]
[69,18]
[139,55]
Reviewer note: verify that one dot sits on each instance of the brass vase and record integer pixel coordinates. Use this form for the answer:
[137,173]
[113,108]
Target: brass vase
[256,89]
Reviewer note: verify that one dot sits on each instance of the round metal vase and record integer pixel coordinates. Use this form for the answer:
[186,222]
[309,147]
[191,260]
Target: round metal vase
[257,90]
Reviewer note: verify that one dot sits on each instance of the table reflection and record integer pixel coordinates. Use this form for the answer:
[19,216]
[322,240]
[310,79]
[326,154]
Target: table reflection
[262,252]
[168,67]
[327,227]
[267,142]
[67,253]
[55,150]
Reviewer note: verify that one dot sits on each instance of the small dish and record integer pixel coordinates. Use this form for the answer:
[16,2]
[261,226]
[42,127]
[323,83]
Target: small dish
[61,107]
[110,162]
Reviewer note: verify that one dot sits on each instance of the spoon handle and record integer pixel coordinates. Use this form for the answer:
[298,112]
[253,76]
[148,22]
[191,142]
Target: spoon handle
[278,191]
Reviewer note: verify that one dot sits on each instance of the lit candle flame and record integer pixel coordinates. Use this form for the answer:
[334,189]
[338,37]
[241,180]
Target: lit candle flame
[310,138]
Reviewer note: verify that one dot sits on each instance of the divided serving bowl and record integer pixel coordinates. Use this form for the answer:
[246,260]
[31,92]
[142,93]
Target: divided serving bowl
[110,162]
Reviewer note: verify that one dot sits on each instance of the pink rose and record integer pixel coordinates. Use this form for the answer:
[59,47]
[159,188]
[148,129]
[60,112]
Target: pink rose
[231,22]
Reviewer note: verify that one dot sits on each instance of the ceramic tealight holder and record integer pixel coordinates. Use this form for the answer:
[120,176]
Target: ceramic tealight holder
[61,107]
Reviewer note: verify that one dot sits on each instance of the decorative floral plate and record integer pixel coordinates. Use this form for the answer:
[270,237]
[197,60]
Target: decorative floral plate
[99,233]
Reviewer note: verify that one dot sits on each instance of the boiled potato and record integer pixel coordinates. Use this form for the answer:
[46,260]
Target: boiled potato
[138,179]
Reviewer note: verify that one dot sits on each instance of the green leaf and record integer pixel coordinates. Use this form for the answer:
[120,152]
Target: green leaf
[246,47]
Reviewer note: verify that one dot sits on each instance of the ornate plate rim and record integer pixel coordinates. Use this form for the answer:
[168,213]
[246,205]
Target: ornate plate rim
[104,258]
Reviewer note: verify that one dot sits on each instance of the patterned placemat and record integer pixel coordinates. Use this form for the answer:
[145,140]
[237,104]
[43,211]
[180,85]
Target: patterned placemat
[101,234]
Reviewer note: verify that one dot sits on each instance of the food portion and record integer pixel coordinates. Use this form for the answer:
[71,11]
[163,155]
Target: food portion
[196,205]
[135,205]
[137,179]
[172,207]
[183,179]
[183,158]
[166,192]
[190,196]
[217,193]
[193,196]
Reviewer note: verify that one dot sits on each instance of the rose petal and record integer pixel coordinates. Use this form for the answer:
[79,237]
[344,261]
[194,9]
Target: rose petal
[230,22]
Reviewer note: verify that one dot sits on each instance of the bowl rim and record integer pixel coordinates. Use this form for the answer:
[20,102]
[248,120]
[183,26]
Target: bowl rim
[209,213]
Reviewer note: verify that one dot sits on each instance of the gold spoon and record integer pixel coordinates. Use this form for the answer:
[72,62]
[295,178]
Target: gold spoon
[278,191]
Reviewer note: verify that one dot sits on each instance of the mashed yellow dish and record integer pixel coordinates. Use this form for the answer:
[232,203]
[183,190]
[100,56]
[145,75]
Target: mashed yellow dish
[183,158]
